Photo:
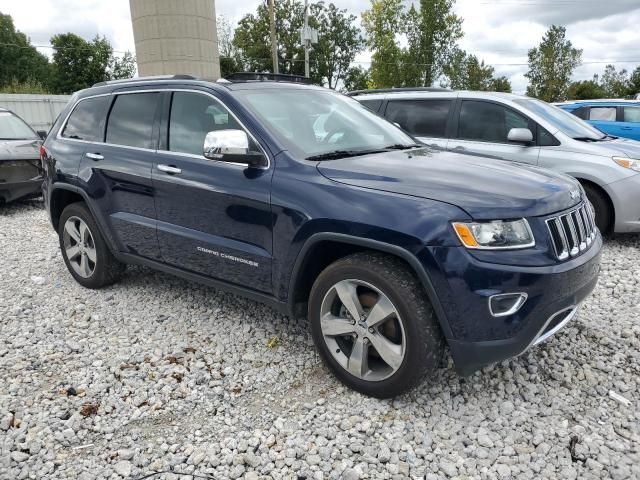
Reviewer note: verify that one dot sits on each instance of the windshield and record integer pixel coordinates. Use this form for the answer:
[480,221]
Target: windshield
[566,122]
[13,128]
[317,123]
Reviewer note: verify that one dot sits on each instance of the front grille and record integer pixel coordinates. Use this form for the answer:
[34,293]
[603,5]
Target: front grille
[572,233]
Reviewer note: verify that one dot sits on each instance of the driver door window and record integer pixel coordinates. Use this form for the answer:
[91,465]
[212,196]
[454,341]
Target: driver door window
[192,116]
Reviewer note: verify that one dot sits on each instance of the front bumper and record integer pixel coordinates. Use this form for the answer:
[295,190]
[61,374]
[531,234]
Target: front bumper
[476,337]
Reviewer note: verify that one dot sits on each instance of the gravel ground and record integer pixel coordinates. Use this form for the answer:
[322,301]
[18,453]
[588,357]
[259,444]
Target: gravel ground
[156,374]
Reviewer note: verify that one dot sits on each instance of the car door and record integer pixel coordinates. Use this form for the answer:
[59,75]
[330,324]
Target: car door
[425,119]
[482,129]
[630,124]
[214,217]
[117,172]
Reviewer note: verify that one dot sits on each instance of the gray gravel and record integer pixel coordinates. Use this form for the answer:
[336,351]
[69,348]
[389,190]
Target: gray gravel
[156,374]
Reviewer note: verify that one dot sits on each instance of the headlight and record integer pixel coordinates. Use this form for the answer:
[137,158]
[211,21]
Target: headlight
[628,163]
[495,235]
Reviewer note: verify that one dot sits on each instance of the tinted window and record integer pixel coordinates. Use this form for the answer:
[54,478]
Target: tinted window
[193,115]
[545,139]
[603,113]
[85,122]
[423,118]
[131,120]
[373,105]
[632,114]
[488,122]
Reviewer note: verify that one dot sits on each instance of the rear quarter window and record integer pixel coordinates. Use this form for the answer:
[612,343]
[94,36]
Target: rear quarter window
[87,120]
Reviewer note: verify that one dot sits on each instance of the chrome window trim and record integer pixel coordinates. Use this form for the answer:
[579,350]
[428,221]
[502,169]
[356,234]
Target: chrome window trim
[164,152]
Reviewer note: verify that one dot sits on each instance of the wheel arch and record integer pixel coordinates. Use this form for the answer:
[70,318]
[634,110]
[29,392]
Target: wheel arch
[607,197]
[309,263]
[63,195]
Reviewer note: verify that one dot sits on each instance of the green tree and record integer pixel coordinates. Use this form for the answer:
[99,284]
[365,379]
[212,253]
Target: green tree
[500,84]
[634,82]
[230,57]
[615,84]
[431,33]
[465,72]
[551,65]
[339,41]
[357,78]
[382,22]
[438,33]
[585,90]
[78,64]
[252,38]
[121,67]
[20,62]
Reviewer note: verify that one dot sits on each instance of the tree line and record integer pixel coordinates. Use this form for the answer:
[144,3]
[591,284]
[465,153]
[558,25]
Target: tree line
[75,64]
[411,46]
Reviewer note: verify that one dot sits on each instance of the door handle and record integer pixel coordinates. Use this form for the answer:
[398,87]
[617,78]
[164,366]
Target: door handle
[94,156]
[626,128]
[460,149]
[170,169]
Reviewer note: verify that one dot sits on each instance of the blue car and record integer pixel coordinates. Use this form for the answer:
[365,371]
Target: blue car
[302,198]
[620,118]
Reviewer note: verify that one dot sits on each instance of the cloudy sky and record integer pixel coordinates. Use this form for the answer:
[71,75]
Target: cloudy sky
[498,31]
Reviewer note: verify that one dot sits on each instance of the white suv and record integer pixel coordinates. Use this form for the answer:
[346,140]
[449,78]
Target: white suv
[522,129]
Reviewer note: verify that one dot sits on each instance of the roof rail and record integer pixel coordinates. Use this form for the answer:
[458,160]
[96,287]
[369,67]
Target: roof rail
[266,77]
[145,79]
[400,89]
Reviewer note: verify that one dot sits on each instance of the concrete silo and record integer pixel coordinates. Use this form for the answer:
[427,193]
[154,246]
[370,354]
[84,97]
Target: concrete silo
[176,37]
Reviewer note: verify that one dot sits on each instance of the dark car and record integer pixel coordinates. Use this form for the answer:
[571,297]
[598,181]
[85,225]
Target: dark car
[20,168]
[302,198]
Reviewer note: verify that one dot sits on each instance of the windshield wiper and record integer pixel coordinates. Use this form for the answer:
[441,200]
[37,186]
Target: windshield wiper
[589,139]
[401,146]
[343,154]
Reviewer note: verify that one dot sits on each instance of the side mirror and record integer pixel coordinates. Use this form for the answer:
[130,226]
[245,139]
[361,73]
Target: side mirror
[42,134]
[231,146]
[520,135]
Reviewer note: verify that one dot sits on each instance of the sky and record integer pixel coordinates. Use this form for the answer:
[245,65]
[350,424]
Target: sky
[498,31]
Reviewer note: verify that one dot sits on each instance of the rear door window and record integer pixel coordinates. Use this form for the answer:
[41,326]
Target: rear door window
[632,114]
[131,120]
[86,120]
[422,118]
[488,122]
[607,114]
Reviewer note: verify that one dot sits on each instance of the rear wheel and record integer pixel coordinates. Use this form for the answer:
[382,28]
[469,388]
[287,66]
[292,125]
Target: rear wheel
[373,324]
[85,252]
[602,208]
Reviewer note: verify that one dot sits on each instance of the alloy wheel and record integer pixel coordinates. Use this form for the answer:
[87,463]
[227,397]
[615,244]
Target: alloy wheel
[79,247]
[363,330]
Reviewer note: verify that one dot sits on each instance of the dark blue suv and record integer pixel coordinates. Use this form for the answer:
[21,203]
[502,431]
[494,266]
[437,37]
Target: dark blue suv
[301,198]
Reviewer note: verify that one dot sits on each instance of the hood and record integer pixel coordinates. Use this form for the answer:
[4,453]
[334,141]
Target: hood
[19,149]
[621,146]
[487,189]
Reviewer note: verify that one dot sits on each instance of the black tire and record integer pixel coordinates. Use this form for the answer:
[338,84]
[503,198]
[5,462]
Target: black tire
[602,207]
[107,270]
[424,342]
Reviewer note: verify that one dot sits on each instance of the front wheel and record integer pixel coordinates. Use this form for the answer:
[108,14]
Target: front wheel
[373,325]
[602,209]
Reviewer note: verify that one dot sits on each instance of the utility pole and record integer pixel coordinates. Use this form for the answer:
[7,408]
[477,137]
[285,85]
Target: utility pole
[274,45]
[306,40]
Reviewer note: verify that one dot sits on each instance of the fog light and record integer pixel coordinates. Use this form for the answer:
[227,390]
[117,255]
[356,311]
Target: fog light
[506,304]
